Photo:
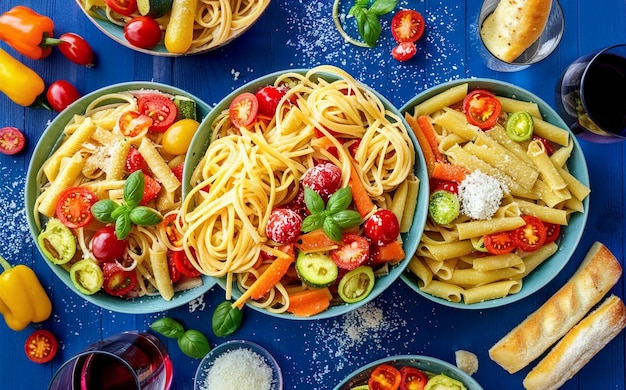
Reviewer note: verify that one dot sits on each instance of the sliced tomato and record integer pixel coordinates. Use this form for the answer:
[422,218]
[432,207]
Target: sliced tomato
[531,236]
[124,7]
[354,252]
[184,265]
[441,184]
[384,377]
[243,109]
[174,236]
[41,346]
[12,140]
[482,108]
[412,378]
[74,207]
[499,243]
[117,281]
[160,108]
[407,25]
[404,51]
[132,123]
[135,161]
[552,232]
[151,189]
[178,171]
[171,266]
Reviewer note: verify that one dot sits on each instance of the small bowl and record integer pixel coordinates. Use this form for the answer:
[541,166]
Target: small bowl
[116,32]
[424,363]
[46,145]
[570,234]
[207,362]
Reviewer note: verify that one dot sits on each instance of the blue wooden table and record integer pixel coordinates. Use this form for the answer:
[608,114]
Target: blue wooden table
[298,34]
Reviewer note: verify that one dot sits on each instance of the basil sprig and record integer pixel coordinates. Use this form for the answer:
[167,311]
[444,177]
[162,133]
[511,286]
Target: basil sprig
[129,212]
[332,217]
[226,319]
[191,342]
[367,19]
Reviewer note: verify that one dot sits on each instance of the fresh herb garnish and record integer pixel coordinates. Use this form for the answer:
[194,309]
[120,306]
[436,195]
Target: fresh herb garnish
[226,319]
[129,212]
[333,217]
[367,19]
[192,343]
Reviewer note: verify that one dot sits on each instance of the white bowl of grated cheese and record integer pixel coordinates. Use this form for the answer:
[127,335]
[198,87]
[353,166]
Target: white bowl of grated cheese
[238,364]
[449,264]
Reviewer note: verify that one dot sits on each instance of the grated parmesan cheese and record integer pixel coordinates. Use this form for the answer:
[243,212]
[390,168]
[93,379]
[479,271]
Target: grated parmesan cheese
[240,368]
[480,195]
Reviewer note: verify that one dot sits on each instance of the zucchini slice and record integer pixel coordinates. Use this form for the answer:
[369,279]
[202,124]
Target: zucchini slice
[316,269]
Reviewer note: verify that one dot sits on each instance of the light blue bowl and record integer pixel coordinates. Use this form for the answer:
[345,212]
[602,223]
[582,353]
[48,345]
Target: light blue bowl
[570,234]
[424,363]
[410,240]
[209,359]
[45,146]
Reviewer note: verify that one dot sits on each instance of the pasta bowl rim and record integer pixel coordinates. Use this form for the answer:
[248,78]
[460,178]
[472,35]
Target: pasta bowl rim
[116,33]
[422,362]
[47,143]
[568,243]
[410,240]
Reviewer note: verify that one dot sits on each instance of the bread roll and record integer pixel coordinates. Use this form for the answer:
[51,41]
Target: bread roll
[578,346]
[593,279]
[514,26]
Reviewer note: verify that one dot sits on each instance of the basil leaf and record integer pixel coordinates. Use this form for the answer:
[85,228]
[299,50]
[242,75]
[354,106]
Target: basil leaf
[226,319]
[168,327]
[381,7]
[312,222]
[360,16]
[340,200]
[122,226]
[133,188]
[194,344]
[371,29]
[145,216]
[347,218]
[361,3]
[123,209]
[313,201]
[103,209]
[332,229]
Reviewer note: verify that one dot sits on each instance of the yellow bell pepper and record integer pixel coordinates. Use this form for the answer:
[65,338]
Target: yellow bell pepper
[22,297]
[19,82]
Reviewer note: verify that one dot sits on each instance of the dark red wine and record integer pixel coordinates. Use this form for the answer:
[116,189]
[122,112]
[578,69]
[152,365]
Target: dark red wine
[103,372]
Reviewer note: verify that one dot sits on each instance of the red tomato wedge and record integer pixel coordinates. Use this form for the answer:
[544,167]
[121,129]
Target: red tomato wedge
[412,378]
[131,123]
[151,188]
[552,232]
[243,109]
[124,7]
[12,140]
[74,207]
[384,377]
[117,281]
[184,265]
[404,51]
[160,108]
[407,25]
[481,108]
[354,252]
[499,243]
[41,346]
[531,236]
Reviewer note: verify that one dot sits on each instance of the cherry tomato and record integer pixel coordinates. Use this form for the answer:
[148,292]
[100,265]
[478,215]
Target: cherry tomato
[41,346]
[160,108]
[12,140]
[74,207]
[384,377]
[76,49]
[407,25]
[106,247]
[382,227]
[178,171]
[135,161]
[441,184]
[172,268]
[61,94]
[243,109]
[499,243]
[124,7]
[151,188]
[412,378]
[132,123]
[117,281]
[482,108]
[354,252]
[269,97]
[184,265]
[177,137]
[283,225]
[531,236]
[552,232]
[404,51]
[323,178]
[143,32]
[174,236]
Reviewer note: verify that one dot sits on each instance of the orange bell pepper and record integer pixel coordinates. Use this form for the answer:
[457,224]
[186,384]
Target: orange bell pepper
[26,31]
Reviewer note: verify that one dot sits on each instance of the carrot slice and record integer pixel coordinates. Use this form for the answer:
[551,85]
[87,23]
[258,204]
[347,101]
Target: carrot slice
[429,156]
[309,302]
[389,252]
[360,196]
[315,241]
[425,124]
[268,279]
[446,171]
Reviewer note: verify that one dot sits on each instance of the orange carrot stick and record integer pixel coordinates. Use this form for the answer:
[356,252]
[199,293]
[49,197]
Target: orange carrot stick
[315,241]
[425,124]
[309,302]
[446,171]
[429,156]
[360,196]
[389,252]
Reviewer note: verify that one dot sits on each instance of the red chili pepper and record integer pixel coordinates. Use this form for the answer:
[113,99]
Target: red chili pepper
[26,31]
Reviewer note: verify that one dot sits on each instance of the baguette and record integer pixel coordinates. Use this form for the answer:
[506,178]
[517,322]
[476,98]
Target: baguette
[593,279]
[514,26]
[578,346]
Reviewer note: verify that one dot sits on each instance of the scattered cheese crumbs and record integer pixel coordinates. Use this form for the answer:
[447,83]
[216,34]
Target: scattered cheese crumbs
[480,195]
[466,361]
[239,368]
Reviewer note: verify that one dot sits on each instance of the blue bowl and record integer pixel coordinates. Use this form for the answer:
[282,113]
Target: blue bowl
[410,240]
[46,145]
[570,234]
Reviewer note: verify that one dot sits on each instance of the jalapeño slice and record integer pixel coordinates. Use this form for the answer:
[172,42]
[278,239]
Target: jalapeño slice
[519,126]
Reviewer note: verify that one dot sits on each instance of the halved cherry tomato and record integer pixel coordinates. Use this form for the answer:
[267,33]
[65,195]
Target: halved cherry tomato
[171,266]
[143,32]
[61,94]
[12,140]
[174,236]
[74,207]
[117,281]
[135,161]
[412,378]
[482,108]
[269,97]
[407,25]
[499,243]
[105,246]
[354,252]
[76,49]
[132,123]
[151,188]
[124,7]
[404,51]
[531,236]
[184,265]
[384,377]
[243,109]
[552,232]
[41,346]
[160,108]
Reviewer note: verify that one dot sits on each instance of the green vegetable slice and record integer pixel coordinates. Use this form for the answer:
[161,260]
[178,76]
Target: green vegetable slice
[443,207]
[186,107]
[519,126]
[357,284]
[57,242]
[87,276]
[316,269]
[154,8]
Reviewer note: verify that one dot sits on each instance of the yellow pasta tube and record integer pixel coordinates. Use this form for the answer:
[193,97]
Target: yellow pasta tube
[491,291]
[449,292]
[549,173]
[68,148]
[65,179]
[157,164]
[455,122]
[479,228]
[158,261]
[423,273]
[439,101]
[489,263]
